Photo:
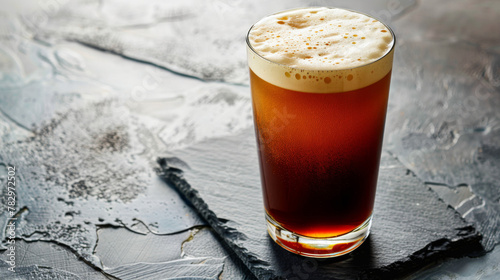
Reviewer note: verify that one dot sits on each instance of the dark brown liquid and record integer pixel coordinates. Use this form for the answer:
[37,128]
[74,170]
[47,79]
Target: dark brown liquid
[319,155]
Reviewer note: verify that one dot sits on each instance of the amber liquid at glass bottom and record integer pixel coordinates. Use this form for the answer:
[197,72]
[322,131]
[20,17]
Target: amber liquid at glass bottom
[319,157]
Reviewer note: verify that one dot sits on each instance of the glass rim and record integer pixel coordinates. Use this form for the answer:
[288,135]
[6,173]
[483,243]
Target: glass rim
[249,45]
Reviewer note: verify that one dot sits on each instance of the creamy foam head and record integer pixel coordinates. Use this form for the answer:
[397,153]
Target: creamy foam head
[320,50]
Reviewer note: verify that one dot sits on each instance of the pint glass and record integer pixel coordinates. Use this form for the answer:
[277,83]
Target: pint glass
[320,83]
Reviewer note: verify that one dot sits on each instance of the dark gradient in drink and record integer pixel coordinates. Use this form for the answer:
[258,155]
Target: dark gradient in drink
[319,155]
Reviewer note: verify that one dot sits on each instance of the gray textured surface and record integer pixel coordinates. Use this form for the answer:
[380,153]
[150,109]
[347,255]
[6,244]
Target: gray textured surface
[87,175]
[191,268]
[443,119]
[47,260]
[405,209]
[59,58]
[193,253]
[82,142]
[205,242]
[220,25]
[119,246]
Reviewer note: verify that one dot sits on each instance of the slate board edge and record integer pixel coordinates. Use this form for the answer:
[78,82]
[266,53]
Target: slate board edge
[174,177]
[439,249]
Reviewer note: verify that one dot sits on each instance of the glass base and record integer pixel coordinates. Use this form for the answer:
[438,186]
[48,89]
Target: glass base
[318,247]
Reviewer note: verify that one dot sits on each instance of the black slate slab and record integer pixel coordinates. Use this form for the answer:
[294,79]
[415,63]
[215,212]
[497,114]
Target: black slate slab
[411,228]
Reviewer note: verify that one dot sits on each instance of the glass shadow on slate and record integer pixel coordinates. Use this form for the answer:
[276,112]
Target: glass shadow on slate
[306,268]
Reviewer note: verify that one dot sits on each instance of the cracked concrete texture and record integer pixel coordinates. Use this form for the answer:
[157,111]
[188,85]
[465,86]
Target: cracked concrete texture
[84,186]
[124,253]
[120,246]
[47,260]
[119,250]
[74,145]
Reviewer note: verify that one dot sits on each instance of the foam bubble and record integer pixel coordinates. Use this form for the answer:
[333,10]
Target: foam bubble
[320,50]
